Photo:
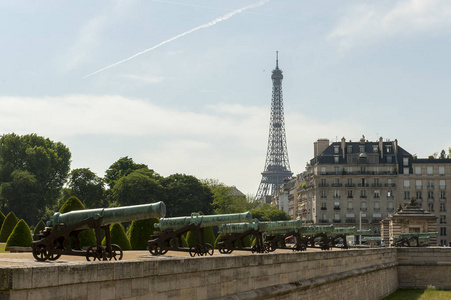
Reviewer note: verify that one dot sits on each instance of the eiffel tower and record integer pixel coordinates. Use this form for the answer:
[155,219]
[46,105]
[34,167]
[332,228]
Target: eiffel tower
[277,166]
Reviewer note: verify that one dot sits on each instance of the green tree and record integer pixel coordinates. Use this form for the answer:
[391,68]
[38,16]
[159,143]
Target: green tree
[443,155]
[20,236]
[138,187]
[33,170]
[86,185]
[185,194]
[267,212]
[87,237]
[140,232]
[118,237]
[8,225]
[122,168]
[40,226]
[228,200]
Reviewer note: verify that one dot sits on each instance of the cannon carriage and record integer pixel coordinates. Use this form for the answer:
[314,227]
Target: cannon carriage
[169,238]
[62,234]
[416,239]
[233,238]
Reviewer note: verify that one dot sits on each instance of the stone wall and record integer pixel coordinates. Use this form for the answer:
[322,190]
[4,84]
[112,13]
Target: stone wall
[421,267]
[347,274]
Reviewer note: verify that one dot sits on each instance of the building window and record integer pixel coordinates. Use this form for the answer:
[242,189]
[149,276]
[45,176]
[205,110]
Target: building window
[431,206]
[350,205]
[406,195]
[323,170]
[388,148]
[389,159]
[430,184]
[418,184]
[406,183]
[417,170]
[419,195]
[336,149]
[350,182]
[442,184]
[377,194]
[390,194]
[405,161]
[362,148]
[376,205]
[350,149]
[363,194]
[375,148]
[442,219]
[430,195]
[376,182]
[336,194]
[323,194]
[405,171]
[350,194]
[336,205]
[442,195]
[443,207]
[390,206]
[336,159]
[323,205]
[337,170]
[443,231]
[429,170]
[323,183]
[363,206]
[441,170]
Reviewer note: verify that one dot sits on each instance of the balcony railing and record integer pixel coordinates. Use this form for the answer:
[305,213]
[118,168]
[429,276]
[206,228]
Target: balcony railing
[363,196]
[350,196]
[363,185]
[337,220]
[443,199]
[363,208]
[323,221]
[323,185]
[390,184]
[336,207]
[323,208]
[350,221]
[376,185]
[349,184]
[336,185]
[336,196]
[365,220]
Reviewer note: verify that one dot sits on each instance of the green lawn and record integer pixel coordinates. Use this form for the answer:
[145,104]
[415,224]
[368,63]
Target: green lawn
[428,294]
[2,247]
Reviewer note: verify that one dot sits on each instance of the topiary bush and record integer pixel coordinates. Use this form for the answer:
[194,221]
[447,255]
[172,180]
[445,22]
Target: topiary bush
[87,237]
[20,236]
[118,237]
[2,218]
[40,226]
[8,226]
[140,232]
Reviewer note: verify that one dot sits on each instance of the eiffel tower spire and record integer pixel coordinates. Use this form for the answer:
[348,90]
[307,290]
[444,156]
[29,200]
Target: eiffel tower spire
[277,166]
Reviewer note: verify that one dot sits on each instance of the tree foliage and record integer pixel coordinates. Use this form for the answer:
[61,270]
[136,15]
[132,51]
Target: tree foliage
[8,225]
[138,187]
[121,168]
[186,194]
[33,170]
[2,218]
[87,186]
[40,226]
[20,236]
[267,212]
[228,200]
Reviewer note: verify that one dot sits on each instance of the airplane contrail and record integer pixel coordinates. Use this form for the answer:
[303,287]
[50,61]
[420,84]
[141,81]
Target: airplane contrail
[211,23]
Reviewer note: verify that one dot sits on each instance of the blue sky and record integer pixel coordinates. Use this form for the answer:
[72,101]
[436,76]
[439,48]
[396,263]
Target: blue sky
[200,104]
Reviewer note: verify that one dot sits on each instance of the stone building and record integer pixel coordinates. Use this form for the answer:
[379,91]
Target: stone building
[361,183]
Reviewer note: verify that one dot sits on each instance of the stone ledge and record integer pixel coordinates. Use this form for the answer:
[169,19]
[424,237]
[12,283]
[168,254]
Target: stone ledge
[18,249]
[283,289]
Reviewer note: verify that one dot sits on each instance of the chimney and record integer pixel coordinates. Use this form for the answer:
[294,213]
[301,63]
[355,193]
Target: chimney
[395,145]
[343,146]
[381,145]
[320,146]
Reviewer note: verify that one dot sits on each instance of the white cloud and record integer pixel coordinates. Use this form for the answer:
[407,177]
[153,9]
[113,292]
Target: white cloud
[368,23]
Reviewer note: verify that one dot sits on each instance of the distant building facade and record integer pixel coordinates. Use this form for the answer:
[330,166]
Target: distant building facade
[362,183]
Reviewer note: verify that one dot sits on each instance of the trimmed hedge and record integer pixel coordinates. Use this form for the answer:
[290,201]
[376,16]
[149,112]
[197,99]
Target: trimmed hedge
[40,226]
[118,237]
[209,237]
[20,236]
[8,226]
[2,218]
[87,237]
[140,232]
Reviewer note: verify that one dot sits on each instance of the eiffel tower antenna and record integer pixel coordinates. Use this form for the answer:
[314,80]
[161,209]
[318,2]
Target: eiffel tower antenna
[277,165]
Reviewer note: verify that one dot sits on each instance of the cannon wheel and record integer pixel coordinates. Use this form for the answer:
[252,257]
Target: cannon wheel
[196,250]
[95,252]
[53,256]
[209,249]
[116,252]
[40,253]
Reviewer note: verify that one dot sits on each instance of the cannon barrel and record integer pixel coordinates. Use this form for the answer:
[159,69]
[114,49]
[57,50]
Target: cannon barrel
[317,229]
[417,234]
[345,230]
[280,225]
[203,220]
[110,215]
[237,227]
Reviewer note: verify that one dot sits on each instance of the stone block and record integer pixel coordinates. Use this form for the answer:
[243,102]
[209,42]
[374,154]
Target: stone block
[227,288]
[105,271]
[107,290]
[76,291]
[150,268]
[211,277]
[140,286]
[123,288]
[164,283]
[94,290]
[53,292]
[73,274]
[21,278]
[45,276]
